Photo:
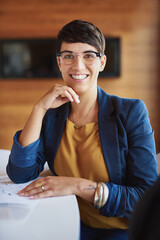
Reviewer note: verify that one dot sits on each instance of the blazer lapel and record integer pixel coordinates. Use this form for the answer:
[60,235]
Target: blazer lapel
[108,131]
[55,134]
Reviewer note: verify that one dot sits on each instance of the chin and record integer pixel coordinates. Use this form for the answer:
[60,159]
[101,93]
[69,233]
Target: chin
[80,89]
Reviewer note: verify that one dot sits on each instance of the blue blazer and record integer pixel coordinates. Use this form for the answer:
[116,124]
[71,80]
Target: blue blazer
[128,146]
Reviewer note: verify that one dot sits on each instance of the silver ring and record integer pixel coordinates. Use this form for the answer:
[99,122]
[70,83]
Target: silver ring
[42,187]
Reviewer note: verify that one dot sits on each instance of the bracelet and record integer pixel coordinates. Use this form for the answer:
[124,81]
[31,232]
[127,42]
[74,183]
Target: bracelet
[101,195]
[105,194]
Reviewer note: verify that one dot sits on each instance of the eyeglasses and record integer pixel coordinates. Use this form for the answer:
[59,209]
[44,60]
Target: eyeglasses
[88,57]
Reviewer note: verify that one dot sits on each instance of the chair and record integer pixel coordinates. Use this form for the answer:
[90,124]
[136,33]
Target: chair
[158,162]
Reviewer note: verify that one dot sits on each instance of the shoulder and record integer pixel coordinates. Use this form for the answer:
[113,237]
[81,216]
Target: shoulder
[129,107]
[129,113]
[122,106]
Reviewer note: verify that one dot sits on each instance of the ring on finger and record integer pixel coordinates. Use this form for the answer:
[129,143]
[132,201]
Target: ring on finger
[43,188]
[39,184]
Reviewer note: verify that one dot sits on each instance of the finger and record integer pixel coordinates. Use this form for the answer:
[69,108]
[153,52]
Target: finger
[63,99]
[69,93]
[62,93]
[41,195]
[33,191]
[73,94]
[34,185]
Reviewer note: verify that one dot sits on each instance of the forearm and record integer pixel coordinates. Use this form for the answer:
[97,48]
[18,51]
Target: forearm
[32,129]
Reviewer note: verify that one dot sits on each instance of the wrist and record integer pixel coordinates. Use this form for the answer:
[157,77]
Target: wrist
[38,108]
[85,189]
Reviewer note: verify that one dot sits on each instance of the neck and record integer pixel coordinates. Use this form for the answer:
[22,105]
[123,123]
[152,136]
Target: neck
[86,111]
[86,100]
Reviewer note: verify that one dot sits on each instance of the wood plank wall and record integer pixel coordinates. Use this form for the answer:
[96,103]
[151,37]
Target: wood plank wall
[135,21]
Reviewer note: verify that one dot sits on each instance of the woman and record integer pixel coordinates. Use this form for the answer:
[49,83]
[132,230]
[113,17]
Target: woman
[99,147]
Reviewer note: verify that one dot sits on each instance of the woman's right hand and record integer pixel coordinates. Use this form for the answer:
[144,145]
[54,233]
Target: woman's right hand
[57,96]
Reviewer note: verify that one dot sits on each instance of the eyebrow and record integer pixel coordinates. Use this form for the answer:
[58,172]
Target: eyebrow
[87,51]
[66,51]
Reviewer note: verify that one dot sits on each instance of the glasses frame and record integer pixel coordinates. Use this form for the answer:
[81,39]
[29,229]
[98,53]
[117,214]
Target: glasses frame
[79,54]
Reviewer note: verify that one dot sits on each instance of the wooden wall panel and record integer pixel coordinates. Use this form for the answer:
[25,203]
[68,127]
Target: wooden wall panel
[135,21]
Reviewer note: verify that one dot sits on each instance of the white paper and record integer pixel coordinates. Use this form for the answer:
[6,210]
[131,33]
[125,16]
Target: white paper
[12,206]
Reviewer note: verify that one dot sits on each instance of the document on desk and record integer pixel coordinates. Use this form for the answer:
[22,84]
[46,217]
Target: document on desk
[12,206]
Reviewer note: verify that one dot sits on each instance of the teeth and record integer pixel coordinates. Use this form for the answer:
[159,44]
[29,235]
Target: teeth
[80,77]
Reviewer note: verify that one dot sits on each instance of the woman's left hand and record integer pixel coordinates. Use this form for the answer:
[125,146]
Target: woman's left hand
[50,186]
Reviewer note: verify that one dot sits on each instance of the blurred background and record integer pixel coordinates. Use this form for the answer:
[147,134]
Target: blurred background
[134,22]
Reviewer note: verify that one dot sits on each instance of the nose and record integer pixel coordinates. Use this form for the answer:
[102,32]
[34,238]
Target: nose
[78,63]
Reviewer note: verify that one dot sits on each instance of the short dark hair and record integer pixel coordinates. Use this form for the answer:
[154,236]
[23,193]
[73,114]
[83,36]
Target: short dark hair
[81,31]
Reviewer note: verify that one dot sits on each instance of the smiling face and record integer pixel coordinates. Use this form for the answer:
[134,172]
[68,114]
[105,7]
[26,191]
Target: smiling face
[80,76]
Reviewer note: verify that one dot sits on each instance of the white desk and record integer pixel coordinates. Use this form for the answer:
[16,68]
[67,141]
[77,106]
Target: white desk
[52,218]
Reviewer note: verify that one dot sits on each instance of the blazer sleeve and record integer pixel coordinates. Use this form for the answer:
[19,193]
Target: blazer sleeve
[141,166]
[25,163]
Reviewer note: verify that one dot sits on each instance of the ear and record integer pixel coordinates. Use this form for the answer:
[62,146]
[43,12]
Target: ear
[103,62]
[59,63]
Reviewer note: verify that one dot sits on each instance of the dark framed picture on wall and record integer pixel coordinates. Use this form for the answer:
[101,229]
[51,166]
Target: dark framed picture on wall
[36,58]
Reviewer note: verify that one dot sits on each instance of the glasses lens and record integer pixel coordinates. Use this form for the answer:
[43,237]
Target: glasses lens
[89,57]
[67,58]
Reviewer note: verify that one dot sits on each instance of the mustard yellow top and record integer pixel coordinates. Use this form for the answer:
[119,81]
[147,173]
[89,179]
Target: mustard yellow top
[80,155]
